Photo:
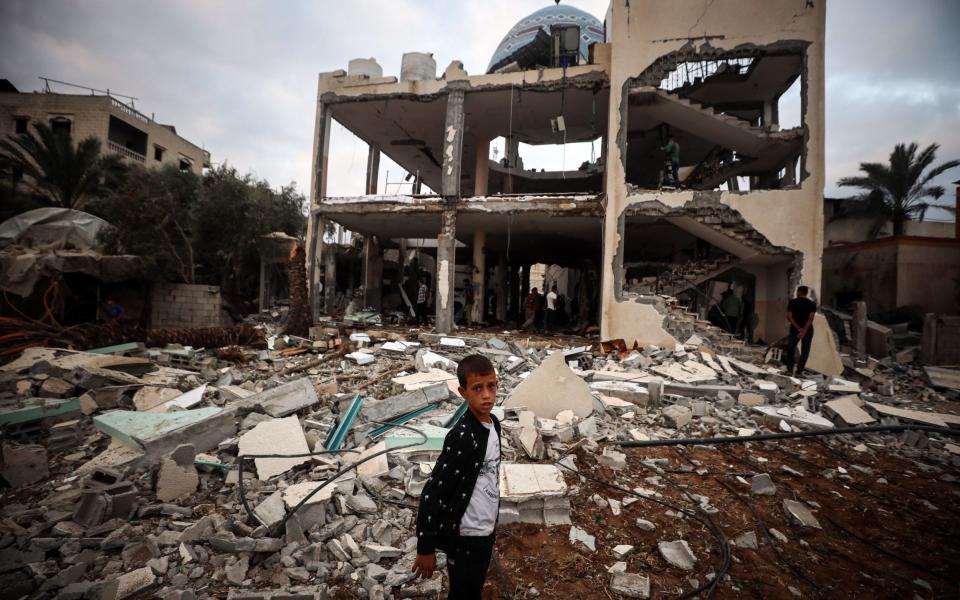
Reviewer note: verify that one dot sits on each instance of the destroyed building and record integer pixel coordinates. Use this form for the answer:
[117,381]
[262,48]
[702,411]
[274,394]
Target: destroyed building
[715,77]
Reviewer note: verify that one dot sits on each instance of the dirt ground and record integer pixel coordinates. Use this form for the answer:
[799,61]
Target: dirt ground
[888,531]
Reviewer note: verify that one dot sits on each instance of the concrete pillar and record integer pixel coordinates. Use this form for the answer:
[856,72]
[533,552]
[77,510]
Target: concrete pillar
[481,174]
[479,275]
[452,143]
[501,287]
[315,253]
[446,269]
[372,273]
[329,278]
[513,291]
[928,340]
[321,153]
[264,285]
[858,328]
[373,170]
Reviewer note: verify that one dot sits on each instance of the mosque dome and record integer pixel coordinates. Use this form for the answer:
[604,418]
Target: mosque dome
[527,29]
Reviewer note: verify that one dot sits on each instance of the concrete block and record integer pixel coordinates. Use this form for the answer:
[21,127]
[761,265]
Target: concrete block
[630,585]
[24,464]
[159,434]
[389,408]
[284,399]
[677,416]
[678,554]
[277,436]
[799,512]
[551,388]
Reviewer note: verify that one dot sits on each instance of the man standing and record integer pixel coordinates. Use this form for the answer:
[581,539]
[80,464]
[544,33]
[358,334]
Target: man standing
[731,307]
[468,302]
[422,302]
[672,150]
[800,313]
[530,309]
[551,316]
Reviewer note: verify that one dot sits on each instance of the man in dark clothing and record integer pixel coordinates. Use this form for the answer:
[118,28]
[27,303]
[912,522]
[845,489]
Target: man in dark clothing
[672,151]
[800,313]
[460,502]
[422,298]
[468,300]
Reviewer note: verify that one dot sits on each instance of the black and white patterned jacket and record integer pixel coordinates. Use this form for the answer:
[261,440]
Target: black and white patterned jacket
[447,493]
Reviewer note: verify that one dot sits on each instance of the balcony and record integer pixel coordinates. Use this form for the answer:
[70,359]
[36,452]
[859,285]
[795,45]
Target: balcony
[126,152]
[128,110]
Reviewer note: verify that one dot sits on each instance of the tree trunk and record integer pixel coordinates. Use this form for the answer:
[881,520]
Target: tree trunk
[299,321]
[897,227]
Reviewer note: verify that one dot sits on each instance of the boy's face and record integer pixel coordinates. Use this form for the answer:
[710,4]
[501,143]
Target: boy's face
[480,393]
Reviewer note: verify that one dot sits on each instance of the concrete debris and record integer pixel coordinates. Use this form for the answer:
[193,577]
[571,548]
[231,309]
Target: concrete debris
[799,512]
[278,437]
[630,585]
[678,554]
[584,538]
[158,512]
[552,387]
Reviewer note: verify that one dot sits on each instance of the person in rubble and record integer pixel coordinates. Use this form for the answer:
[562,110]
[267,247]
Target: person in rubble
[530,308]
[468,300]
[423,295]
[800,313]
[672,151]
[550,316]
[460,502]
[732,307]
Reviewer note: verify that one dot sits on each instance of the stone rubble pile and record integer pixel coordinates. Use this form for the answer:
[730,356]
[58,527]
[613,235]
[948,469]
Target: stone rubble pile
[177,473]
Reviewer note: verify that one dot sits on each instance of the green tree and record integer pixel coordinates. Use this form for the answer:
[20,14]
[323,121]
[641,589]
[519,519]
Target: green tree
[152,213]
[897,192]
[56,170]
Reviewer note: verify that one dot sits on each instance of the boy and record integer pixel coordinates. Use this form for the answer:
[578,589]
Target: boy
[460,503]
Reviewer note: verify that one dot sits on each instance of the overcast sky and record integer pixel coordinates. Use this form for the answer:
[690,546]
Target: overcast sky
[239,77]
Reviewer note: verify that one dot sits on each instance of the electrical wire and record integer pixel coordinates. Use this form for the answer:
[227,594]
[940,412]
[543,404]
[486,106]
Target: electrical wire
[331,479]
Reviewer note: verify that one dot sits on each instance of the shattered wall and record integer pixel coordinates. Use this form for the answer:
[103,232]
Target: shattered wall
[186,305]
[643,32]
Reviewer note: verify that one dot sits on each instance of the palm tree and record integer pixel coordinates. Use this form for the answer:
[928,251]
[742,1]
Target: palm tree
[61,173]
[897,192]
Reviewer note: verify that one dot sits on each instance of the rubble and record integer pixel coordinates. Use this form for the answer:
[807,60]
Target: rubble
[148,475]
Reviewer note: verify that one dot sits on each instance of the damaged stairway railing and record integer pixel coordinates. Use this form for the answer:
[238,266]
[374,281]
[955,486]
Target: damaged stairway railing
[280,525]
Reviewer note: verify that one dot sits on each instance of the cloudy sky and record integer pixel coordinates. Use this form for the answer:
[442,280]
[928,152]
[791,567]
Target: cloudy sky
[239,76]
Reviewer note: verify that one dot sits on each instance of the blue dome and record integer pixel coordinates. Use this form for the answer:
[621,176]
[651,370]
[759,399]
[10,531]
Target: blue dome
[521,34]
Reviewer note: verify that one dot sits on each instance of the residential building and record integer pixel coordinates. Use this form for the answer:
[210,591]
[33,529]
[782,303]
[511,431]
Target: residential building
[121,129]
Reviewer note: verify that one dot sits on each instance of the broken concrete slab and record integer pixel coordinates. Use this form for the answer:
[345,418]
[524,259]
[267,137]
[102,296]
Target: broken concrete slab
[271,511]
[794,415]
[390,408]
[550,388]
[799,512]
[688,372]
[149,398]
[824,356]
[522,481]
[917,416]
[277,436]
[678,554]
[158,434]
[415,381]
[751,399]
[376,466]
[762,485]
[677,416]
[631,585]
[848,409]
[178,477]
[627,391]
[581,536]
[285,399]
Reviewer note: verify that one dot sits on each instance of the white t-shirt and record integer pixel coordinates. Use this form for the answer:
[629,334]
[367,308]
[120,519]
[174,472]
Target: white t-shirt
[552,301]
[481,515]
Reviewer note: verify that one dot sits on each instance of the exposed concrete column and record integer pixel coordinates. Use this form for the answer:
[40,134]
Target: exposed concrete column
[446,269]
[452,143]
[315,251]
[501,287]
[858,328]
[329,277]
[481,174]
[479,275]
[373,170]
[372,273]
[321,153]
[450,190]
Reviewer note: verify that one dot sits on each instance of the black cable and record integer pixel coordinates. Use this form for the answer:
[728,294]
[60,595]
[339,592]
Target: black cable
[351,466]
[784,436]
[708,523]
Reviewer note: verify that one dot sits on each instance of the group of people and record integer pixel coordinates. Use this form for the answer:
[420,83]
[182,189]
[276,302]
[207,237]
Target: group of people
[541,311]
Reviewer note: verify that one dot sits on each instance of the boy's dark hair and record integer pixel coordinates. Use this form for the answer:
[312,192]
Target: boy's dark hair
[475,364]
[803,290]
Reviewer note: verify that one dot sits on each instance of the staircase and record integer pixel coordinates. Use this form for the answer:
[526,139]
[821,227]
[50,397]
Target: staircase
[690,274]
[682,324]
